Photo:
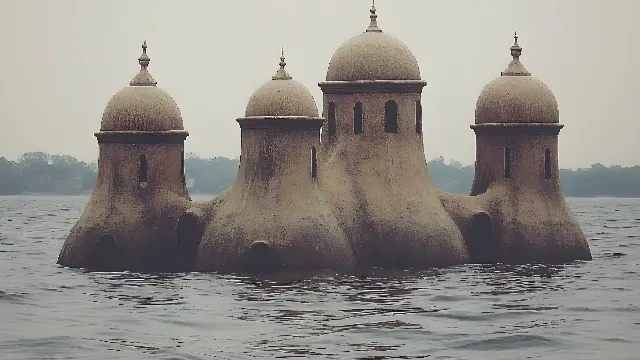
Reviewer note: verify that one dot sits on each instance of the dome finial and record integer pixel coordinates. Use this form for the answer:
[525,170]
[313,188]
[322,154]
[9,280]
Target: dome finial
[144,58]
[281,74]
[143,78]
[373,26]
[516,50]
[515,68]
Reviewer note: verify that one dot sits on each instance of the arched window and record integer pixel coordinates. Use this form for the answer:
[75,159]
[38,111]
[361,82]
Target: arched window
[314,162]
[142,170]
[182,177]
[391,117]
[418,117]
[331,121]
[547,163]
[357,118]
[507,162]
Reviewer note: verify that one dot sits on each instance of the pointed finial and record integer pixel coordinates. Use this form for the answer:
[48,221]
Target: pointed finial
[373,25]
[143,78]
[515,68]
[144,58]
[281,74]
[516,50]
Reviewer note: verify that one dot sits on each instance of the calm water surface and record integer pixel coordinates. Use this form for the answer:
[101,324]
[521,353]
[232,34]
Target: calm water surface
[578,311]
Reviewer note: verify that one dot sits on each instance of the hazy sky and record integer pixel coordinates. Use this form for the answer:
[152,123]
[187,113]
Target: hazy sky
[61,61]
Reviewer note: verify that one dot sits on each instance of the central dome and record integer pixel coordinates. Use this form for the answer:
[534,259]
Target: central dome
[373,55]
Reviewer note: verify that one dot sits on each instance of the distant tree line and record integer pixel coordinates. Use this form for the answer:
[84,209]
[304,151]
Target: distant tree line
[38,172]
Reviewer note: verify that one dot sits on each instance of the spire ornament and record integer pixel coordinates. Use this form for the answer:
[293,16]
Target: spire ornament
[143,78]
[282,74]
[515,68]
[516,50]
[373,25]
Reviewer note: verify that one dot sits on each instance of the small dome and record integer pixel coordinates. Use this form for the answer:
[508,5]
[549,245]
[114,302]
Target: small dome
[281,96]
[516,97]
[142,106]
[373,55]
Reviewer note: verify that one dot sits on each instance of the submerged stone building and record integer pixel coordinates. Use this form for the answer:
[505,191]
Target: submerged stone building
[348,189]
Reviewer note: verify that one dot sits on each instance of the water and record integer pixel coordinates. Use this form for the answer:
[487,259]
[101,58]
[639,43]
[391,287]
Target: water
[578,311]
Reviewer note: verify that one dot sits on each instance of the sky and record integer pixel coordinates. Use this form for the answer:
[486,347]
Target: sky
[61,61]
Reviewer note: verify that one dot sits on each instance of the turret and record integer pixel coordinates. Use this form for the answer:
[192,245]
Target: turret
[273,216]
[130,220]
[525,217]
[517,127]
[373,168]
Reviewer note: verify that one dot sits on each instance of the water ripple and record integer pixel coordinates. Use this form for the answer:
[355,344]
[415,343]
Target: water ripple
[585,310]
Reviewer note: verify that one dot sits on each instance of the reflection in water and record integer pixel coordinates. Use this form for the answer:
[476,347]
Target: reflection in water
[140,289]
[504,279]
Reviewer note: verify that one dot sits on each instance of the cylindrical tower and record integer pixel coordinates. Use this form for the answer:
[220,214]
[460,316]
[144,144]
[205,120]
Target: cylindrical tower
[373,166]
[517,127]
[129,222]
[273,216]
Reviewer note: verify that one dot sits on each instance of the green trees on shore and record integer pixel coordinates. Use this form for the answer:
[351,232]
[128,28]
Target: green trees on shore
[38,172]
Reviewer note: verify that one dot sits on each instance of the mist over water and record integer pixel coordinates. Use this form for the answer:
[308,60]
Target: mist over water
[577,311]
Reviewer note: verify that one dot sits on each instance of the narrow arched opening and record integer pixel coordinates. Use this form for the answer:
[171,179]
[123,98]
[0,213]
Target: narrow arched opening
[482,246]
[142,170]
[547,163]
[188,236]
[314,163]
[104,256]
[182,174]
[331,121]
[507,162]
[357,118]
[391,117]
[418,117]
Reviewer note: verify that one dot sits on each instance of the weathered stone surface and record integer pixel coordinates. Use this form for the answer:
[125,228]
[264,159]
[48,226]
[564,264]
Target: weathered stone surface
[517,213]
[274,215]
[379,188]
[130,220]
[141,221]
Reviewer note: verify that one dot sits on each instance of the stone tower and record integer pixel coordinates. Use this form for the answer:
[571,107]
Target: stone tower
[274,215]
[517,127]
[373,168]
[129,221]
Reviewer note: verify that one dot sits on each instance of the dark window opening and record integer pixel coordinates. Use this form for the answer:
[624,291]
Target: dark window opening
[391,117]
[547,163]
[182,177]
[142,170]
[507,162]
[314,162]
[357,118]
[331,122]
[418,117]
